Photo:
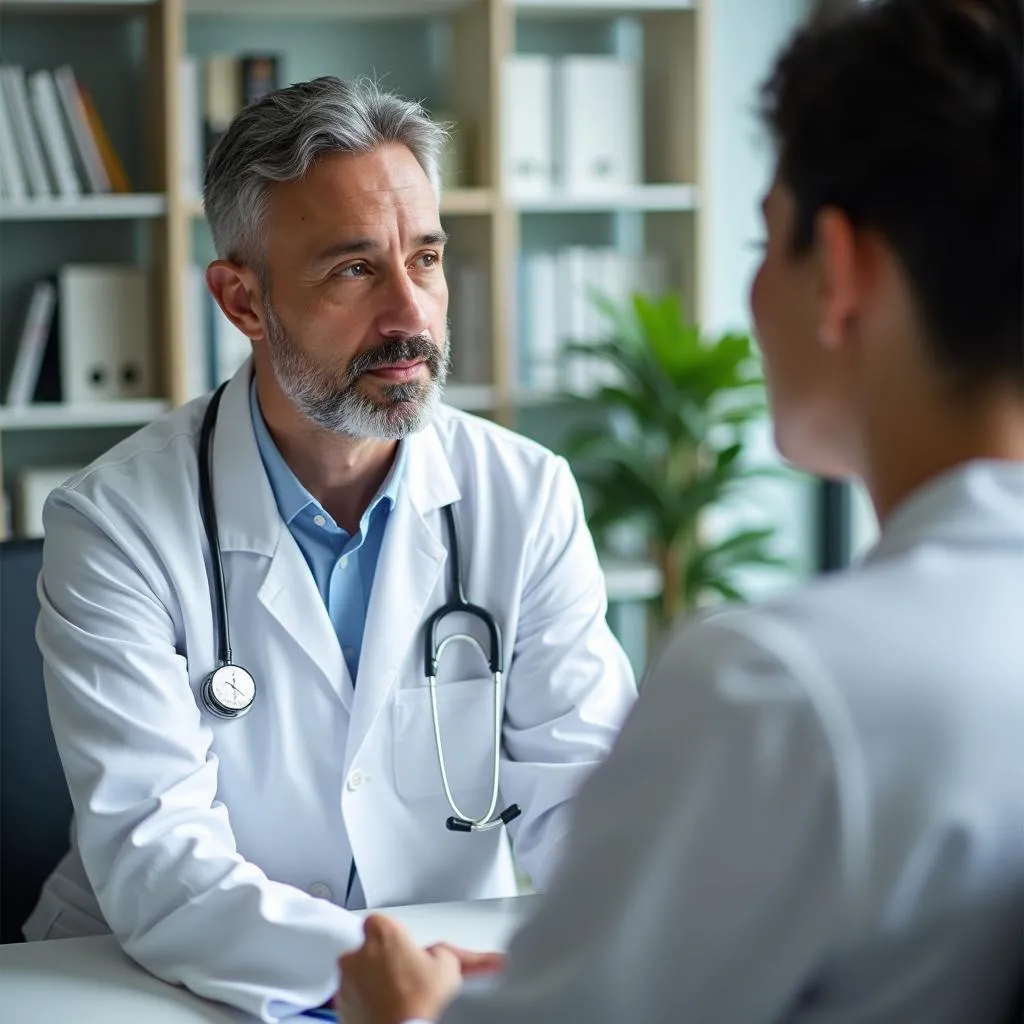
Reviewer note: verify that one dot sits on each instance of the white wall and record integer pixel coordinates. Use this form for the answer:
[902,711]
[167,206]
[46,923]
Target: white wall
[744,38]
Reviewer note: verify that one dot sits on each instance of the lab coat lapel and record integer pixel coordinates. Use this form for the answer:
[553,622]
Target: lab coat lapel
[412,557]
[249,523]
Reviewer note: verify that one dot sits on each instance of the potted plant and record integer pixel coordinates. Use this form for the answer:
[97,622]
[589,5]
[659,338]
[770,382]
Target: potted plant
[672,446]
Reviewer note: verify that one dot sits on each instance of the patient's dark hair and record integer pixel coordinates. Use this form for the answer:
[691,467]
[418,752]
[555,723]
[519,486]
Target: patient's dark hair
[908,116]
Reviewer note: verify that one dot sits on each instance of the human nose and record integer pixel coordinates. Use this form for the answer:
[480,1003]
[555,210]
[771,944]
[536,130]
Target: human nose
[405,313]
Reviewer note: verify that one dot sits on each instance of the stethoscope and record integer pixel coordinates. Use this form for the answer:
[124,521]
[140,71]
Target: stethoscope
[229,691]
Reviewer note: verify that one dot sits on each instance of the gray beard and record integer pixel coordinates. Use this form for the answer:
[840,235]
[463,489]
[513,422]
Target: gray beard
[338,406]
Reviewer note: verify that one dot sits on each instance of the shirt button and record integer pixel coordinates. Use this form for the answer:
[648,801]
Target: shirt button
[344,562]
[321,890]
[355,779]
[319,520]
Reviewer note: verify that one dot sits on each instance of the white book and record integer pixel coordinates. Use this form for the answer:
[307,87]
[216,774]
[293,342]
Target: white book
[88,153]
[35,331]
[14,175]
[106,332]
[230,348]
[25,132]
[527,138]
[543,344]
[471,333]
[34,485]
[573,321]
[56,146]
[599,124]
[190,110]
[197,361]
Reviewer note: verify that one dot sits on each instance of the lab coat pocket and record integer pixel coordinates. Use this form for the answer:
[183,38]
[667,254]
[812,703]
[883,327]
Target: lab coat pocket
[466,716]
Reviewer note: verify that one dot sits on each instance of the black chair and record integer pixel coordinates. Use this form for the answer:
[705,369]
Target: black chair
[35,809]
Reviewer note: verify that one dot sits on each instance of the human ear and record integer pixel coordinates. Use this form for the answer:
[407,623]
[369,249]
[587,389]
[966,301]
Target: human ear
[839,273]
[235,289]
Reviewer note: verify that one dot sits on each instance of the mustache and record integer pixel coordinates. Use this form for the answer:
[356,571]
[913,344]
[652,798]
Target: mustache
[398,350]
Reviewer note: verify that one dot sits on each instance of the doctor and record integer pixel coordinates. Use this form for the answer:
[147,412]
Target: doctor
[815,813]
[235,600]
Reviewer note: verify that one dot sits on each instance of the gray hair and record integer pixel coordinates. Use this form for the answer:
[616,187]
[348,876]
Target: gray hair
[279,138]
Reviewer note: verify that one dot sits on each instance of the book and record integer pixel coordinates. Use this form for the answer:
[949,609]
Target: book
[35,332]
[89,159]
[45,105]
[259,76]
[197,341]
[15,185]
[229,347]
[222,97]
[112,165]
[190,118]
[25,135]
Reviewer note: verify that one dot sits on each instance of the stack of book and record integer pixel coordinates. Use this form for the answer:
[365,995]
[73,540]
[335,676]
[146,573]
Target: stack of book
[211,91]
[572,125]
[86,337]
[556,306]
[52,139]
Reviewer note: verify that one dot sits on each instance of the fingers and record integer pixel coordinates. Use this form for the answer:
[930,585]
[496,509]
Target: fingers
[471,962]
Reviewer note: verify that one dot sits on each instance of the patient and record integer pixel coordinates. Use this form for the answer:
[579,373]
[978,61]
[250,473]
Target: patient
[815,813]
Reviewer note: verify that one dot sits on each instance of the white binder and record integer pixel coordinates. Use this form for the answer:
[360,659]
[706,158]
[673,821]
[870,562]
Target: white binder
[599,125]
[106,333]
[527,140]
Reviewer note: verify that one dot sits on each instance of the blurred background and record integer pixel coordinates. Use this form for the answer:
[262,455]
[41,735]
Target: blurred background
[601,193]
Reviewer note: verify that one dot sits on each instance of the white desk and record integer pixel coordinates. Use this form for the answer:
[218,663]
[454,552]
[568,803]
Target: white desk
[90,981]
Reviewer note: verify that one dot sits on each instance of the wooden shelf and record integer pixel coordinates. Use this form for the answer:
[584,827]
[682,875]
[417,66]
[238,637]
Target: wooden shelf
[628,580]
[75,6]
[371,9]
[454,203]
[561,8]
[59,416]
[471,397]
[467,201]
[641,199]
[87,207]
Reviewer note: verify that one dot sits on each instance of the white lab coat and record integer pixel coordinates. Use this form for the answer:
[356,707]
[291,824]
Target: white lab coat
[199,840]
[815,813]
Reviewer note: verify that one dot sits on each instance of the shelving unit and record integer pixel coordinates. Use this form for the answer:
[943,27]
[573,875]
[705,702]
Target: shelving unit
[64,416]
[447,53]
[138,205]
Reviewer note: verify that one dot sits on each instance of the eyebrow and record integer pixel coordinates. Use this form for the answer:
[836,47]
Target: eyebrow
[368,245]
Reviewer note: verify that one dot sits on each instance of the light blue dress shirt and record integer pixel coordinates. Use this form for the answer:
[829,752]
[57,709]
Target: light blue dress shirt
[343,565]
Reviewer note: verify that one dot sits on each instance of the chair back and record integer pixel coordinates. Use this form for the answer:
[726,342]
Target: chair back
[35,808]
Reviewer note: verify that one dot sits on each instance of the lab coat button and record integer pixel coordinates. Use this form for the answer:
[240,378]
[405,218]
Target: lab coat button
[356,779]
[321,890]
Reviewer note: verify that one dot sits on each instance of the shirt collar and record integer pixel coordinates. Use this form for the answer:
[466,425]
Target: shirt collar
[291,496]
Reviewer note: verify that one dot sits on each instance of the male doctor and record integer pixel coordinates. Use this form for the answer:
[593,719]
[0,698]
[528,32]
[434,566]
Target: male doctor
[815,812]
[223,828]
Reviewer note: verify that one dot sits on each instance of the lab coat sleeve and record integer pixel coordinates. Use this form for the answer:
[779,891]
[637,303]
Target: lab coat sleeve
[709,858]
[570,685]
[155,842]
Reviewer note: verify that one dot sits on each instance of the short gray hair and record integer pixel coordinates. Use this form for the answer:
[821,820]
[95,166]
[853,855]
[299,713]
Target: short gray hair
[279,138]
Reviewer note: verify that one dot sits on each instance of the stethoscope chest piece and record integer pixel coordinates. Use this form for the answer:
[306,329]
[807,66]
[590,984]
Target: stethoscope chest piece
[229,691]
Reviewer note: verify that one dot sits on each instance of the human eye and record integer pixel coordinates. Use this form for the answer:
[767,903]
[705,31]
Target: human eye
[429,260]
[353,270]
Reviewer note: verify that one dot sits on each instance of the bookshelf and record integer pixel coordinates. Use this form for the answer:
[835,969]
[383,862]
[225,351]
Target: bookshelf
[451,54]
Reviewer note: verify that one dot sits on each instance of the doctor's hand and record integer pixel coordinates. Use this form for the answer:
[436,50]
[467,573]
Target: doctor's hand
[391,980]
